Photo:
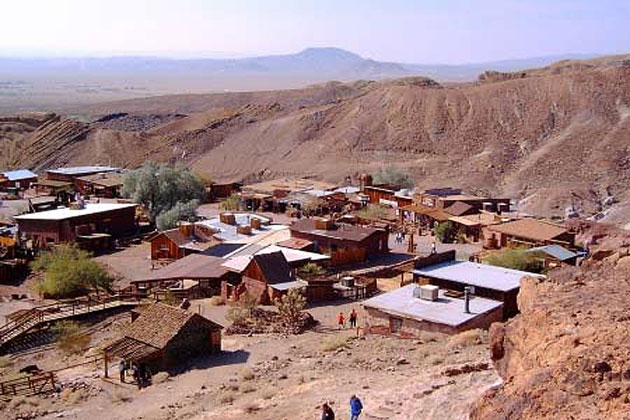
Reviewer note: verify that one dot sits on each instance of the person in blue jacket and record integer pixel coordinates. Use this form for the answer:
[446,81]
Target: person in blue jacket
[355,407]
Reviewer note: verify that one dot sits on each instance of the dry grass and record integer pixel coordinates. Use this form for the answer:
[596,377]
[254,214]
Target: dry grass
[466,339]
[216,301]
[334,343]
[435,359]
[160,377]
[23,403]
[227,398]
[5,362]
[267,395]
[247,375]
[248,388]
[121,395]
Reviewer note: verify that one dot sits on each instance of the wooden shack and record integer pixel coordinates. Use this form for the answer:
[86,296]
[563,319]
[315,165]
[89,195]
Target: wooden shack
[186,239]
[527,232]
[162,337]
[20,179]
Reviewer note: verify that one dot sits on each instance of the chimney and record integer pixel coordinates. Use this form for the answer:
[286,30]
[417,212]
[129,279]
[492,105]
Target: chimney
[467,292]
[255,223]
[227,218]
[186,229]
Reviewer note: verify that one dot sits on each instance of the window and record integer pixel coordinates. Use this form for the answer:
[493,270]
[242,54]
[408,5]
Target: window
[395,324]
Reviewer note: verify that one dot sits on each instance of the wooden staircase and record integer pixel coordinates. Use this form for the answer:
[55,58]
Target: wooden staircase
[40,316]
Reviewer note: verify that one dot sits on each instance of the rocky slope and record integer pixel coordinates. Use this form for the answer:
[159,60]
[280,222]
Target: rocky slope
[566,355]
[551,137]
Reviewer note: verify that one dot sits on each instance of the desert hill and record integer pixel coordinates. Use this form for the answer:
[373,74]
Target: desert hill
[551,136]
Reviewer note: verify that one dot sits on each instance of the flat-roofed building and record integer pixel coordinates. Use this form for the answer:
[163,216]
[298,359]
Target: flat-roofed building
[403,312]
[90,223]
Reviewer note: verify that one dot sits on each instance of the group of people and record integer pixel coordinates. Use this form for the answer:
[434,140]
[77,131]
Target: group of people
[139,372]
[341,319]
[355,409]
[400,237]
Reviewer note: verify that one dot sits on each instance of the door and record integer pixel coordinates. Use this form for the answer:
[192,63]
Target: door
[395,325]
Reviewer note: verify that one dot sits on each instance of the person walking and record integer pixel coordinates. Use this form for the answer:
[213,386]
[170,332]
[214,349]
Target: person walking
[327,412]
[433,248]
[355,407]
[122,366]
[341,321]
[353,319]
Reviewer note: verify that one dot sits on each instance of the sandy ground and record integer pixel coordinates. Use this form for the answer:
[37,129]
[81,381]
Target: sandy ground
[276,377]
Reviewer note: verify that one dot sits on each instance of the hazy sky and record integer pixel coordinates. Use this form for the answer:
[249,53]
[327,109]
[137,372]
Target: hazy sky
[420,31]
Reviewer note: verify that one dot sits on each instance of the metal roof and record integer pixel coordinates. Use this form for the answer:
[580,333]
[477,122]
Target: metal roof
[475,274]
[445,310]
[67,213]
[558,252]
[19,174]
[79,170]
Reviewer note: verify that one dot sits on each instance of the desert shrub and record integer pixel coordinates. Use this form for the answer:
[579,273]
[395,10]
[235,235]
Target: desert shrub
[232,203]
[170,299]
[392,175]
[70,338]
[334,343]
[466,338]
[251,408]
[435,359]
[248,388]
[227,398]
[290,307]
[69,272]
[247,375]
[517,259]
[5,362]
[241,310]
[160,377]
[159,187]
[121,395]
[182,211]
[373,211]
[311,270]
[23,403]
[216,301]
[268,394]
[445,231]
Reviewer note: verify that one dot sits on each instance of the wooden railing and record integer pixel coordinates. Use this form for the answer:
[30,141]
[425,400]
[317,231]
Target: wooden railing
[31,385]
[61,310]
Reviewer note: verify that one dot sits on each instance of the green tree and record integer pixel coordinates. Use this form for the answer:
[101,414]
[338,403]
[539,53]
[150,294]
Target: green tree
[516,259]
[159,187]
[182,211]
[393,175]
[290,307]
[445,231]
[69,272]
[311,270]
[232,203]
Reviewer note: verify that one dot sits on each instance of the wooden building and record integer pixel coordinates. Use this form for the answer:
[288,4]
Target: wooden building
[443,198]
[527,232]
[346,244]
[89,225]
[554,256]
[106,184]
[193,276]
[218,191]
[163,337]
[186,239]
[21,179]
[264,276]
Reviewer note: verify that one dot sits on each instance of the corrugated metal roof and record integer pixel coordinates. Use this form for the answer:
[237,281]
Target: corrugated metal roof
[78,170]
[67,213]
[558,252]
[475,274]
[19,174]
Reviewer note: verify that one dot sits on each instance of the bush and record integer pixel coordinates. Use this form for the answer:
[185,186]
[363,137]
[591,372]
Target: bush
[232,203]
[5,362]
[160,377]
[159,187]
[445,231]
[182,211]
[516,259]
[251,408]
[290,307]
[334,343]
[226,398]
[392,175]
[70,338]
[466,338]
[216,301]
[373,211]
[311,270]
[246,389]
[241,310]
[69,272]
[247,375]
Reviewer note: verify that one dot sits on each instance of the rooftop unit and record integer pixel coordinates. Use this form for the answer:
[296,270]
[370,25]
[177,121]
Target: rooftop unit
[426,292]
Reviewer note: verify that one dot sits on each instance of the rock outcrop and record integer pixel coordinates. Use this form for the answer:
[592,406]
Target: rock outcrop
[566,355]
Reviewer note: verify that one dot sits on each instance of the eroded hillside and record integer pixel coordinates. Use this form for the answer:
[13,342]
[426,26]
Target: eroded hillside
[551,137]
